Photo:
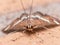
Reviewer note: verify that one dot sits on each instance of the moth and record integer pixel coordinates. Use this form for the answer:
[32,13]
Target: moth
[37,20]
[31,21]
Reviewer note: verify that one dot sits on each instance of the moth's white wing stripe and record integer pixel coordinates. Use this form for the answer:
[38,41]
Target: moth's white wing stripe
[56,22]
[7,28]
[41,18]
[20,20]
[16,23]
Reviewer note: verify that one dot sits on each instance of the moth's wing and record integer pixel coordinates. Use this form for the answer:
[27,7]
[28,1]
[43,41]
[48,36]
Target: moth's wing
[41,18]
[17,24]
[53,20]
[46,20]
[14,26]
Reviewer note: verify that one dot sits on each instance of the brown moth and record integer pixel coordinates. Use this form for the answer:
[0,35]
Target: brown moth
[29,22]
[37,20]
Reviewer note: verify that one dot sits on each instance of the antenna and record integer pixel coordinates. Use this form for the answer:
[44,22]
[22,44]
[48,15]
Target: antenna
[29,15]
[31,6]
[23,6]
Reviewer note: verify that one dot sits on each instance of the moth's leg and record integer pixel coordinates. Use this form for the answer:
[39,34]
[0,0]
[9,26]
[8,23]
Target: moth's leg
[40,26]
[45,27]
